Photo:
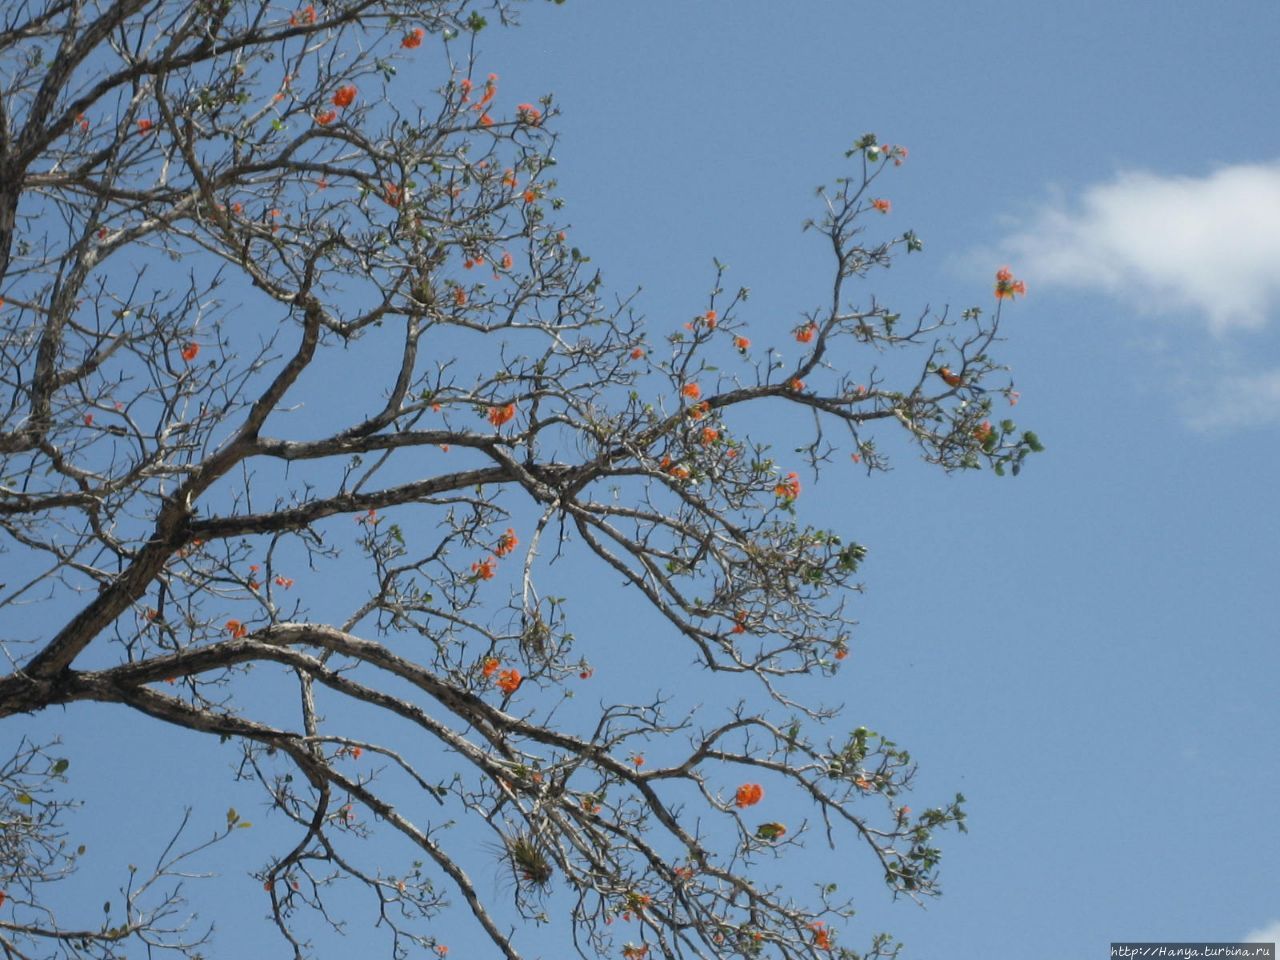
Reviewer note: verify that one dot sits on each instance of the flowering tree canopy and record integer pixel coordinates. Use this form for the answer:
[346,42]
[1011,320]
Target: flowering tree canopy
[308,398]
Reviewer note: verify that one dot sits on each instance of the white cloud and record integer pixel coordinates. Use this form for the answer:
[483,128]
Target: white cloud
[1208,244]
[1267,934]
[1238,400]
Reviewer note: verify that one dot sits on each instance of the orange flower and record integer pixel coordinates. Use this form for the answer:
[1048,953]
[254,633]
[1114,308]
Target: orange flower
[637,759]
[88,419]
[411,40]
[805,333]
[459,296]
[1006,286]
[442,950]
[637,353]
[983,432]
[486,120]
[489,666]
[506,543]
[742,343]
[344,96]
[391,194]
[884,206]
[237,629]
[530,195]
[306,15]
[841,653]
[699,410]
[795,384]
[691,390]
[189,351]
[821,936]
[144,126]
[509,680]
[283,582]
[789,489]
[748,795]
[484,569]
[465,86]
[509,178]
[326,118]
[507,261]
[528,113]
[500,415]
[739,622]
[586,674]
[710,435]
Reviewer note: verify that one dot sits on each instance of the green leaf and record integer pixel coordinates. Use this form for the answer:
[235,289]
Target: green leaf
[25,799]
[60,766]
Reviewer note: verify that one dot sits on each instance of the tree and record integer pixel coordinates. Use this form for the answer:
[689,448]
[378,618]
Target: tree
[211,214]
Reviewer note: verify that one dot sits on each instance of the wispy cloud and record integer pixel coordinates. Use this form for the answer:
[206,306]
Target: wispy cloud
[1267,934]
[1237,399]
[1208,245]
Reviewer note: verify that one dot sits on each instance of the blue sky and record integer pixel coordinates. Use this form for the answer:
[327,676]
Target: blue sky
[1090,649]
[1088,652]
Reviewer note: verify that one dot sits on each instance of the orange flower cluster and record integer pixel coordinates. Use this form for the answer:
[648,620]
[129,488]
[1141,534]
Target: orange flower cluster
[677,470]
[710,319]
[632,951]
[699,410]
[528,113]
[144,126]
[1007,287]
[501,415]
[982,432]
[412,40]
[509,680]
[237,629]
[789,489]
[749,794]
[485,569]
[637,353]
[326,117]
[805,333]
[489,666]
[189,351]
[821,936]
[343,97]
[739,622]
[506,543]
[742,344]
[795,384]
[691,390]
[884,206]
[306,15]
